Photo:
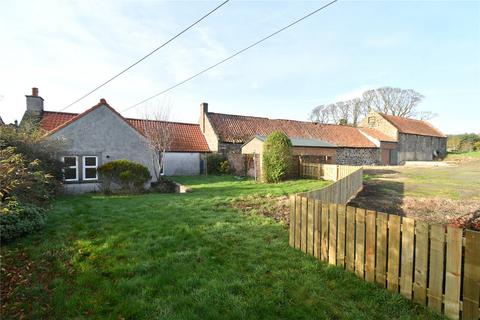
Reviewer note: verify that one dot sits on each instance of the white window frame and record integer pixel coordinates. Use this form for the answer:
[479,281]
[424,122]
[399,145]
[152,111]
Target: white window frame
[71,167]
[85,167]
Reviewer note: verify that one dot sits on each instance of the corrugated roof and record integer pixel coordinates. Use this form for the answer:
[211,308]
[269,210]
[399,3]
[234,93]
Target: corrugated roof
[413,126]
[300,142]
[186,137]
[240,129]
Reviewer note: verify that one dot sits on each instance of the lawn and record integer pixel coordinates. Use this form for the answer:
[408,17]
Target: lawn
[181,256]
[436,194]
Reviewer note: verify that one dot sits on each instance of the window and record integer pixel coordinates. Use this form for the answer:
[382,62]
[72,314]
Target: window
[70,171]
[371,121]
[90,165]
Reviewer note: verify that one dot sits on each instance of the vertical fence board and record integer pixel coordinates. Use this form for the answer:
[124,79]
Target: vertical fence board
[435,284]
[471,280]
[324,249]
[332,239]
[310,225]
[406,278]
[453,269]
[360,243]
[303,232]
[381,267]
[421,263]
[393,252]
[298,221]
[401,254]
[370,246]
[291,238]
[341,236]
[350,245]
[318,211]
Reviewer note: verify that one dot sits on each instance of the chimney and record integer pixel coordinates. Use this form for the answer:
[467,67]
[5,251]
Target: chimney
[34,103]
[203,112]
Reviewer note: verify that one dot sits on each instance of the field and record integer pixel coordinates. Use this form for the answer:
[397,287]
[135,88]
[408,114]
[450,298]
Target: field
[181,256]
[434,193]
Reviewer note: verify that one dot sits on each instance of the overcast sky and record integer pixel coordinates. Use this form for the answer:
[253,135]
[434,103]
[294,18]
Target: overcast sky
[66,48]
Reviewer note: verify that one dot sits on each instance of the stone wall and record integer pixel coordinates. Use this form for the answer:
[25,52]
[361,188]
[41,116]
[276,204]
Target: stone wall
[377,122]
[358,156]
[237,163]
[413,147]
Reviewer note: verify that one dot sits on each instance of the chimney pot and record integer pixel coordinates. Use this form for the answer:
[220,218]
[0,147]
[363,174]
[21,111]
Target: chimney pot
[34,102]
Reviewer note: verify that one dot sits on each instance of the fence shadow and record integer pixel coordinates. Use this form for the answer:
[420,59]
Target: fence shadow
[381,195]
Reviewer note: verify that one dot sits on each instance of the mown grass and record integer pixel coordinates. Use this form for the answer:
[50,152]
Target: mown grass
[462,155]
[183,256]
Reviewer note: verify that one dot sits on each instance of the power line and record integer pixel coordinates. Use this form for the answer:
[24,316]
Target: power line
[232,56]
[146,56]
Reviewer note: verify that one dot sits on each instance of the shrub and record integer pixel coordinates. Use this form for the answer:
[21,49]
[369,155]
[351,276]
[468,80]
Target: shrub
[224,167]
[23,180]
[17,220]
[218,164]
[277,157]
[124,175]
[476,146]
[33,145]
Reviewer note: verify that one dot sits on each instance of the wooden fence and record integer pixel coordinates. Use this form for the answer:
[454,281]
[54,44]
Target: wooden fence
[331,172]
[437,265]
[348,181]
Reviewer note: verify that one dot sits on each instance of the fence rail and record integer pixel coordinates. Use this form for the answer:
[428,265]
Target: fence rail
[437,265]
[348,181]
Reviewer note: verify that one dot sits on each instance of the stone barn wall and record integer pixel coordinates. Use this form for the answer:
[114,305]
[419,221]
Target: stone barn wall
[358,156]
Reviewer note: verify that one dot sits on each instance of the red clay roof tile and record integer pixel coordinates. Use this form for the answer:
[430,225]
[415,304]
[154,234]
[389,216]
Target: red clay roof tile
[239,129]
[186,137]
[413,126]
[380,136]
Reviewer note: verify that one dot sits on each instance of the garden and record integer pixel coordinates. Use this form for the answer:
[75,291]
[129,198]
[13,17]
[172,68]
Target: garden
[128,254]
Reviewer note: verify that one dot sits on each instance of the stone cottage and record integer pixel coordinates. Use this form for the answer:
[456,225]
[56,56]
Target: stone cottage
[101,134]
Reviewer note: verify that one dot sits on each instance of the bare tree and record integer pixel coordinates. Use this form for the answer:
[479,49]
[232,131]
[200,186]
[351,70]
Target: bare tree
[394,101]
[342,112]
[158,132]
[426,115]
[320,114]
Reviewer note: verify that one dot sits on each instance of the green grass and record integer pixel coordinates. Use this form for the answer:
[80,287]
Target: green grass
[458,181]
[463,155]
[184,256]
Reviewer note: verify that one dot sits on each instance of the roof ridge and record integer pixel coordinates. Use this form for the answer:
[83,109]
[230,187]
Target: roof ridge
[238,115]
[167,121]
[70,113]
[102,102]
[279,119]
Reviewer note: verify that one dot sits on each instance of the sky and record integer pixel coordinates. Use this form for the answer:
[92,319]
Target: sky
[66,48]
